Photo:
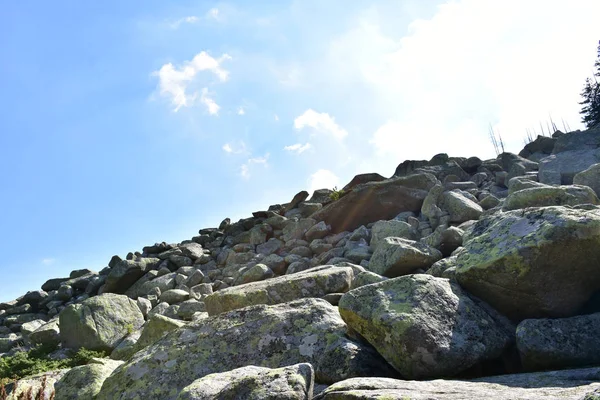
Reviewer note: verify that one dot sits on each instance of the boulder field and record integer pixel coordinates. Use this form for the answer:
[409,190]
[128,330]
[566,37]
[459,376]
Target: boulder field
[455,278]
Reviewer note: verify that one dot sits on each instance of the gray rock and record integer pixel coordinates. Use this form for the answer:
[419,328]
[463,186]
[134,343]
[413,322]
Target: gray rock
[561,168]
[315,282]
[559,343]
[459,207]
[100,322]
[85,381]
[392,228]
[302,331]
[589,177]
[571,195]
[125,273]
[425,327]
[254,383]
[569,384]
[174,296]
[47,334]
[317,231]
[396,256]
[551,250]
[272,246]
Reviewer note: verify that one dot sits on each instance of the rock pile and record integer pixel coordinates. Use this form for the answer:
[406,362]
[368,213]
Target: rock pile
[422,286]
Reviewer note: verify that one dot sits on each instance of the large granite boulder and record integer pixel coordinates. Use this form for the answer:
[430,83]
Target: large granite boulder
[100,322]
[313,282]
[392,228]
[542,196]
[396,256]
[254,383]
[362,178]
[127,272]
[302,331]
[559,343]
[570,384]
[85,381]
[376,201]
[533,263]
[425,327]
[572,153]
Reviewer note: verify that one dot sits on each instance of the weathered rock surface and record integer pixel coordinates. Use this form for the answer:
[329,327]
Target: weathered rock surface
[85,381]
[376,201]
[424,326]
[533,263]
[559,343]
[100,322]
[314,282]
[302,331]
[254,383]
[570,384]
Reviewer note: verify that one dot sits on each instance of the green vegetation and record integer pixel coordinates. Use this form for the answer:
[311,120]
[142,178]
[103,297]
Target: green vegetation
[590,110]
[336,194]
[37,360]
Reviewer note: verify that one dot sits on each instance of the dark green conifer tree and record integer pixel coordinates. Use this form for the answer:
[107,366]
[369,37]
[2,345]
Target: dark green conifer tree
[590,109]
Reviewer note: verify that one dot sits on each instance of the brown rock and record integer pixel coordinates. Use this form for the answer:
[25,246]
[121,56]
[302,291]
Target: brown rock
[376,201]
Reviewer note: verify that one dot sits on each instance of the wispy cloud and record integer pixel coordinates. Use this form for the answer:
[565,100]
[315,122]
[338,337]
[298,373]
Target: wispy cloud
[245,168]
[320,122]
[212,107]
[214,13]
[192,19]
[48,261]
[298,148]
[238,148]
[241,111]
[173,81]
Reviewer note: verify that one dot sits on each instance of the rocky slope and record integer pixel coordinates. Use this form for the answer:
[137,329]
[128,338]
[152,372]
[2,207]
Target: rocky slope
[453,279]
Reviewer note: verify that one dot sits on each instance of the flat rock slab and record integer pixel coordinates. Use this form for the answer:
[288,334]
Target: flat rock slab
[542,196]
[533,263]
[302,331]
[314,282]
[425,327]
[568,385]
[254,383]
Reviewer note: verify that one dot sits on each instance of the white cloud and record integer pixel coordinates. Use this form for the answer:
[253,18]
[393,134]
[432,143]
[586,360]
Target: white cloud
[192,19]
[321,122]
[322,179]
[245,168]
[276,117]
[174,82]
[213,13]
[298,147]
[473,63]
[211,106]
[241,111]
[48,261]
[238,148]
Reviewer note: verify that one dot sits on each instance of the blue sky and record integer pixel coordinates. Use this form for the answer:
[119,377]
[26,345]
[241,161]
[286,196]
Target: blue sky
[125,123]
